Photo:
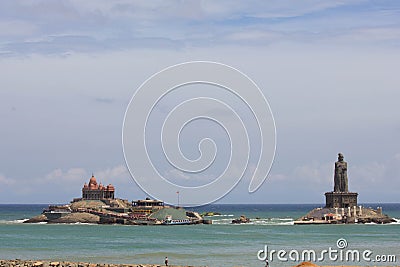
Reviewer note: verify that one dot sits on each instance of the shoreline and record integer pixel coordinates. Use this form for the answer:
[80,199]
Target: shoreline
[56,263]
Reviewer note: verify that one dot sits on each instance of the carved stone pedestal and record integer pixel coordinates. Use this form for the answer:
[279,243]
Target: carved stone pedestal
[340,199]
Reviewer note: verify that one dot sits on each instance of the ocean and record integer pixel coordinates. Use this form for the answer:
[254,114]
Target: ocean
[219,244]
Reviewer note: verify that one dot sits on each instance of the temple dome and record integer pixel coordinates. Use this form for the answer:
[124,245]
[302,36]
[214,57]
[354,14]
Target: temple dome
[93,180]
[93,183]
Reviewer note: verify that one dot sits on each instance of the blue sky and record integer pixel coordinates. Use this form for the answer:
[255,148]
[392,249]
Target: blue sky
[328,69]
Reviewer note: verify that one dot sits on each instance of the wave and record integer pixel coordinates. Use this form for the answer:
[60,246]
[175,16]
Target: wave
[83,223]
[13,221]
[282,219]
[262,221]
[222,215]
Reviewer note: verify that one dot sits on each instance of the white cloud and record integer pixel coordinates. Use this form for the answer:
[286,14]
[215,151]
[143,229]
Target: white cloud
[367,35]
[254,35]
[59,186]
[16,28]
[71,175]
[176,174]
[377,179]
[188,179]
[75,177]
[112,175]
[118,25]
[370,174]
[4,181]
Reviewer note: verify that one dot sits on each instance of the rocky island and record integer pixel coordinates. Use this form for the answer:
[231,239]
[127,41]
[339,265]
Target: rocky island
[341,205]
[241,219]
[98,205]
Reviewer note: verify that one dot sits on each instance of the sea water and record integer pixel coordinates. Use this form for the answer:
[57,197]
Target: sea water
[219,244]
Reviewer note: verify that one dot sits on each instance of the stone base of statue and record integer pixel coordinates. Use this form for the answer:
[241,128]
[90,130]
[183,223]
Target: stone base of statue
[340,199]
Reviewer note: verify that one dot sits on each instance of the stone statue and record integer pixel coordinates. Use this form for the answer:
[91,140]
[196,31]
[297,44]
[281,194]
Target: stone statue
[340,179]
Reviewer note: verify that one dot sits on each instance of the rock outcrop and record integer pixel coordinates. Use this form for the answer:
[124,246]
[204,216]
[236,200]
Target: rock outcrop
[338,216]
[242,219]
[37,219]
[77,217]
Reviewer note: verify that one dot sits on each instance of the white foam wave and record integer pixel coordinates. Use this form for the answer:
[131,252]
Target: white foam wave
[222,221]
[13,221]
[83,223]
[282,219]
[272,222]
[264,221]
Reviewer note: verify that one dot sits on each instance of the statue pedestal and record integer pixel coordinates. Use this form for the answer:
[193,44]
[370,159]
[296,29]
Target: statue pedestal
[340,199]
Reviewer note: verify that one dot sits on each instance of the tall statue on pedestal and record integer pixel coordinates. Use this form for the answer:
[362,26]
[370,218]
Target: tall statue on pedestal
[340,197]
[340,179]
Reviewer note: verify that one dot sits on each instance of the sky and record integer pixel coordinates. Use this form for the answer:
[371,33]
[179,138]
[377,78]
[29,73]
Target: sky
[329,70]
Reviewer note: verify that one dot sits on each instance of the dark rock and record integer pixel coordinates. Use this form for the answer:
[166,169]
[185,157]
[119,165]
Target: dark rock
[242,219]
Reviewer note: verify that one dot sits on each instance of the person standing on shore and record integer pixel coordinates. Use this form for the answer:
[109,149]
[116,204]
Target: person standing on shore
[266,263]
[166,261]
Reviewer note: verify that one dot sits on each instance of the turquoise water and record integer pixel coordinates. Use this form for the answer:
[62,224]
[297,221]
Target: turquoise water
[220,244]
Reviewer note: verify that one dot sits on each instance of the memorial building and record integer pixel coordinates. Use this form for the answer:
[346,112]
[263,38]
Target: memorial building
[94,191]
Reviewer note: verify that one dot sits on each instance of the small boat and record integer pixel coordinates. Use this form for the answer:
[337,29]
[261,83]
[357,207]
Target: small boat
[169,221]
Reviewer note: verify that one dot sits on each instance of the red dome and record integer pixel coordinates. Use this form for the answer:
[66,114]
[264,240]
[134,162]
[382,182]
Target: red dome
[92,180]
[93,183]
